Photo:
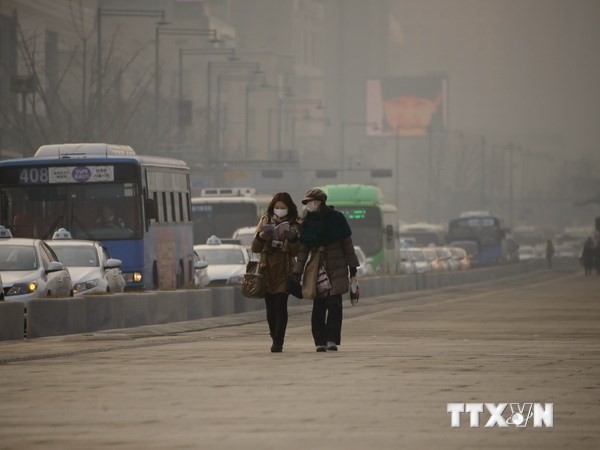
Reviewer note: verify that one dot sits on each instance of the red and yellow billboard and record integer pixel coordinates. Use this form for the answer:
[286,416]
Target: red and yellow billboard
[407,106]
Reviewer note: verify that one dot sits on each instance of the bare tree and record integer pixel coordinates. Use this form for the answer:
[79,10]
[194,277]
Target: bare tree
[64,110]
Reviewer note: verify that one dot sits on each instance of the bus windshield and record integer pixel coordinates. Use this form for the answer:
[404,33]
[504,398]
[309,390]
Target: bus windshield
[89,211]
[366,225]
[221,219]
[485,230]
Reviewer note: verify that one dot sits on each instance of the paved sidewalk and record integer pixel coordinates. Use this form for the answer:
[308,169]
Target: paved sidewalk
[403,358]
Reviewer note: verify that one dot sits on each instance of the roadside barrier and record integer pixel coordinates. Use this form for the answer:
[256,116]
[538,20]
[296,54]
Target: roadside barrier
[60,316]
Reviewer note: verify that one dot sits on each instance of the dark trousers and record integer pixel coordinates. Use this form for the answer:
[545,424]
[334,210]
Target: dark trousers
[326,320]
[277,315]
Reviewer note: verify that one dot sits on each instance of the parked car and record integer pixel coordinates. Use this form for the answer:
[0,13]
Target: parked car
[91,267]
[30,269]
[419,259]
[406,264]
[226,262]
[471,248]
[526,253]
[366,264]
[435,264]
[461,257]
[444,258]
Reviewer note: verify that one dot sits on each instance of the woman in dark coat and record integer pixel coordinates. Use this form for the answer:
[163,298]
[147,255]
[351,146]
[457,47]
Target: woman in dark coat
[325,228]
[587,256]
[277,250]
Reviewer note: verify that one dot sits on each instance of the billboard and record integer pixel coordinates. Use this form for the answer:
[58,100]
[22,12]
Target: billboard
[406,105]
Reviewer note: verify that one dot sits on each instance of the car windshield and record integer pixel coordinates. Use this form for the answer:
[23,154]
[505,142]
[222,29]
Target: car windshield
[17,257]
[215,256]
[76,256]
[245,238]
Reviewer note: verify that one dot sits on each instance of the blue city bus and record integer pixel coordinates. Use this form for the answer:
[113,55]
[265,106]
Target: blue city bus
[69,185]
[486,231]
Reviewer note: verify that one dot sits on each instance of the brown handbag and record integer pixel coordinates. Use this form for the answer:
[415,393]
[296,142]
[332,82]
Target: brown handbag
[254,284]
[311,273]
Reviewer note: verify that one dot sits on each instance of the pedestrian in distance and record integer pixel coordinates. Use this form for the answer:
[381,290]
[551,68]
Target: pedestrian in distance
[276,239]
[325,234]
[587,255]
[597,256]
[549,252]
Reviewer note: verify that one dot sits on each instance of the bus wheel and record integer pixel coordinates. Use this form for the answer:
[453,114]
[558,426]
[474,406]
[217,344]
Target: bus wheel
[155,275]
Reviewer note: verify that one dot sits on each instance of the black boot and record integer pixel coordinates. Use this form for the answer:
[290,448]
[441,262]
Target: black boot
[277,347]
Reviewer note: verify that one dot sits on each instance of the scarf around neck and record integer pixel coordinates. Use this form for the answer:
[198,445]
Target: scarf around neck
[324,227]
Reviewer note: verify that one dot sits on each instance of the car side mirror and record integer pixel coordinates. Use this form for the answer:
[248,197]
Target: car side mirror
[151,208]
[113,263]
[200,265]
[55,266]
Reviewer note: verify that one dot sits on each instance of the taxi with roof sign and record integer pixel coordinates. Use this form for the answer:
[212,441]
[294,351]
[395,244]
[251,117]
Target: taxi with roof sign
[226,262]
[92,269]
[30,269]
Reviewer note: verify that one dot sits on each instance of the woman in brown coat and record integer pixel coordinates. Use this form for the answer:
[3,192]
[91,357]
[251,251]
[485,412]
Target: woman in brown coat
[276,239]
[327,232]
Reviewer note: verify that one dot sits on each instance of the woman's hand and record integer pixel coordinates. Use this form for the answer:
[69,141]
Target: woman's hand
[265,235]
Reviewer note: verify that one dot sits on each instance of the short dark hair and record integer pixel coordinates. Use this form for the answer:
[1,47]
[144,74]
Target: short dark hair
[287,199]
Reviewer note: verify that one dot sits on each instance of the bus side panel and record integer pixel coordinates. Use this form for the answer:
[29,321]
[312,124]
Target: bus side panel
[169,256]
[131,254]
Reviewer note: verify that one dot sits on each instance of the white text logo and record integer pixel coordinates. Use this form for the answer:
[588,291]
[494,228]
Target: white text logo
[517,415]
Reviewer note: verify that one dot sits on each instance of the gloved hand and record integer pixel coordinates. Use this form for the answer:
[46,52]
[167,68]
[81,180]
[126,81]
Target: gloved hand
[265,235]
[353,271]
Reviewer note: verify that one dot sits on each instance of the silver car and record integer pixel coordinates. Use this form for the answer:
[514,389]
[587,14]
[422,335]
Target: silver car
[92,269]
[30,269]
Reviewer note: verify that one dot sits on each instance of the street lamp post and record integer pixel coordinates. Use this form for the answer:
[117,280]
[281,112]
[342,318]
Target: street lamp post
[210,33]
[225,65]
[343,126]
[397,178]
[249,77]
[250,88]
[197,52]
[318,103]
[151,13]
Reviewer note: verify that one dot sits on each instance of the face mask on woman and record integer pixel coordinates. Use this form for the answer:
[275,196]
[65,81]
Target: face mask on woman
[280,212]
[312,206]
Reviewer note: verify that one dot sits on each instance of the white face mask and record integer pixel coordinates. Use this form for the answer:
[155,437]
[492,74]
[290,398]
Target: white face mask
[280,212]
[312,206]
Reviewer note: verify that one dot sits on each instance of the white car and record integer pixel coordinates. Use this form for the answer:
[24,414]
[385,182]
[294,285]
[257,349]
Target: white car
[226,262]
[406,264]
[30,269]
[245,236]
[526,252]
[419,259]
[366,264]
[92,269]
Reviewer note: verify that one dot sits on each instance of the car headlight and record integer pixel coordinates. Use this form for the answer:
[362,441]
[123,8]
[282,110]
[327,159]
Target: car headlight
[236,279]
[132,277]
[85,286]
[23,288]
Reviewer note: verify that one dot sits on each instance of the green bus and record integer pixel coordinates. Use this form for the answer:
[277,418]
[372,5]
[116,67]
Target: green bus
[372,221]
